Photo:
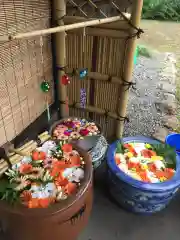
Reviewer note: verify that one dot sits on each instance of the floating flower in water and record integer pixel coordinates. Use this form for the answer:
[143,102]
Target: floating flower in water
[38,155]
[75,135]
[75,129]
[43,179]
[26,159]
[84,132]
[67,148]
[25,168]
[142,163]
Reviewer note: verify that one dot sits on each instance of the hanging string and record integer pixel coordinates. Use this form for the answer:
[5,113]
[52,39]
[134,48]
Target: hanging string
[83,73]
[45,86]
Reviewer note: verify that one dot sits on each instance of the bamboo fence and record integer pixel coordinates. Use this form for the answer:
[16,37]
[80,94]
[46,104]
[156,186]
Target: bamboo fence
[106,50]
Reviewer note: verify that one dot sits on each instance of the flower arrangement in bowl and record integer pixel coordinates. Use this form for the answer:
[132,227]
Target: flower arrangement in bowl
[74,129]
[153,163]
[143,174]
[51,174]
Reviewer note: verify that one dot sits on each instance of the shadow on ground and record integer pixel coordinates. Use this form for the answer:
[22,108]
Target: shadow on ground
[110,222]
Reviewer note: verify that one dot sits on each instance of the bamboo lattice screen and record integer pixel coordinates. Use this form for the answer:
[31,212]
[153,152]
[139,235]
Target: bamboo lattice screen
[106,50]
[103,54]
[21,68]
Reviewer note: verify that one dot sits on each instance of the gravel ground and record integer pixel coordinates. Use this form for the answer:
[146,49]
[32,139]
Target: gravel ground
[149,75]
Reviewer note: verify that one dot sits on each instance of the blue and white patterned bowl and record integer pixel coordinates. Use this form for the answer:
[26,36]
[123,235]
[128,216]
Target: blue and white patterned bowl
[137,196]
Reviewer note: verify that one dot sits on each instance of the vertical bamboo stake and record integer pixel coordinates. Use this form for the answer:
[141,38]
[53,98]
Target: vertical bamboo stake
[60,46]
[128,66]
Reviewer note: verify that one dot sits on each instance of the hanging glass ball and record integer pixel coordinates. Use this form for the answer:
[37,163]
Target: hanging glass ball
[45,86]
[83,73]
[65,80]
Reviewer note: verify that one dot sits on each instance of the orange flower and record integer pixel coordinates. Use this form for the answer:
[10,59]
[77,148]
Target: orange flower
[58,167]
[70,188]
[67,148]
[25,168]
[152,167]
[168,173]
[60,181]
[75,161]
[117,159]
[26,197]
[143,176]
[44,202]
[33,203]
[148,153]
[159,174]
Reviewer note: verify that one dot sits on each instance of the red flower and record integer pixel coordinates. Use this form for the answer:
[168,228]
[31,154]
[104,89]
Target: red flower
[66,133]
[60,181]
[36,156]
[148,153]
[69,124]
[84,132]
[67,148]
[25,168]
[75,161]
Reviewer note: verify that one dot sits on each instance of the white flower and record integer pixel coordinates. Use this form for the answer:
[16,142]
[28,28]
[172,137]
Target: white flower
[26,159]
[77,175]
[123,167]
[159,164]
[16,166]
[68,172]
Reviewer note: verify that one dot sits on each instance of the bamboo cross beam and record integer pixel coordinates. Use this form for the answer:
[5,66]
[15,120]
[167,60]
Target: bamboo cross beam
[62,28]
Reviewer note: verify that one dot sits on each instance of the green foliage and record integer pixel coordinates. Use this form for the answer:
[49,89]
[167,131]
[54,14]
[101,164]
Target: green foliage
[119,148]
[7,191]
[167,152]
[144,51]
[161,10]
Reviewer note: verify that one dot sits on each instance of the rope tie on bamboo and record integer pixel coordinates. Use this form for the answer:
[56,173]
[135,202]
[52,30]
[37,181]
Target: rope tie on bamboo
[122,119]
[71,74]
[129,84]
[106,115]
[58,19]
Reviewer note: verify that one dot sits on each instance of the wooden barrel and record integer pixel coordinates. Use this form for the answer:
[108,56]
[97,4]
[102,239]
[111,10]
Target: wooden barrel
[61,221]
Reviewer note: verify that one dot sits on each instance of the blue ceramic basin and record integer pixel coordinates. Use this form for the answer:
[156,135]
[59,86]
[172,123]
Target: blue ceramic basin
[137,196]
[173,140]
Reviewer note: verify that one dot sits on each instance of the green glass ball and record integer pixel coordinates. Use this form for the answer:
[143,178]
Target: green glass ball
[45,86]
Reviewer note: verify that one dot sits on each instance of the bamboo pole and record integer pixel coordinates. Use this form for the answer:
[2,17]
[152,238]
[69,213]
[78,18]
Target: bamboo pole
[63,27]
[93,109]
[101,77]
[128,67]
[60,46]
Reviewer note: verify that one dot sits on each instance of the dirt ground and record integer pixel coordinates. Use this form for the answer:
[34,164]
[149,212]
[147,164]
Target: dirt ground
[161,36]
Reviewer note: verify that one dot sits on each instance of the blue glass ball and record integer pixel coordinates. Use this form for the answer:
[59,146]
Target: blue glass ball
[83,73]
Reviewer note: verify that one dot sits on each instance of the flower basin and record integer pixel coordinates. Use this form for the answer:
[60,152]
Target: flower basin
[138,196]
[64,220]
[96,145]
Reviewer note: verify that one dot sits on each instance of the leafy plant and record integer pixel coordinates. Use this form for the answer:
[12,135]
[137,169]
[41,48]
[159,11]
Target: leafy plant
[167,152]
[119,148]
[161,10]
[7,191]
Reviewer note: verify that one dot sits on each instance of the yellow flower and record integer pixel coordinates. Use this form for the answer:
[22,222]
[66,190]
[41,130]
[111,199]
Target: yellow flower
[162,179]
[144,167]
[148,146]
[154,158]
[129,155]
